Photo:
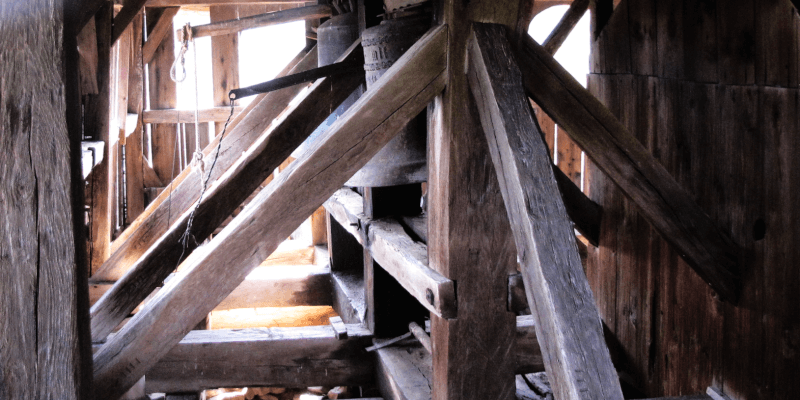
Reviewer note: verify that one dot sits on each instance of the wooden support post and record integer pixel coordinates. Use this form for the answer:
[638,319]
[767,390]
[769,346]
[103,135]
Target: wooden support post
[289,357]
[45,349]
[163,94]
[216,114]
[469,238]
[568,324]
[224,59]
[153,223]
[258,21]
[661,200]
[129,11]
[222,199]
[274,213]
[160,30]
[134,157]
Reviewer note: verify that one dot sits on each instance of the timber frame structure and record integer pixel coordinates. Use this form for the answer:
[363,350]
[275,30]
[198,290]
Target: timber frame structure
[664,267]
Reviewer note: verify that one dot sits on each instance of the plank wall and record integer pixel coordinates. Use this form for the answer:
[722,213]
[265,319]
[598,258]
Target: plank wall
[710,88]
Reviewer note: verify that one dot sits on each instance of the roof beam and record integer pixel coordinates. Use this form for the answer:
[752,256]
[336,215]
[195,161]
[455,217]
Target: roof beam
[661,199]
[400,94]
[162,28]
[565,26]
[261,20]
[568,325]
[222,198]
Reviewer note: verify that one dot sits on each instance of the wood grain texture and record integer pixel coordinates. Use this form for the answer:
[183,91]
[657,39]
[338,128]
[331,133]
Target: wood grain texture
[351,141]
[224,59]
[158,216]
[134,157]
[174,3]
[403,371]
[43,296]
[569,328]
[661,200]
[559,34]
[257,21]
[288,357]
[172,116]
[126,15]
[161,29]
[222,199]
[163,94]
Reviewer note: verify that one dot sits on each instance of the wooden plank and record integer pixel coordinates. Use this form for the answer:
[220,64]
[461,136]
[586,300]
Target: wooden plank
[339,329]
[287,357]
[258,21]
[156,219]
[568,325]
[584,213]
[87,48]
[162,28]
[559,34]
[736,45]
[270,317]
[644,34]
[163,94]
[662,201]
[699,57]
[43,296]
[207,3]
[776,44]
[222,199]
[224,60]
[172,116]
[285,286]
[134,158]
[403,371]
[395,251]
[351,141]
[123,19]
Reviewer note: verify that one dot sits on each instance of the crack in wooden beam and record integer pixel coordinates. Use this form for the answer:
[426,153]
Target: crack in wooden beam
[406,89]
[568,325]
[661,199]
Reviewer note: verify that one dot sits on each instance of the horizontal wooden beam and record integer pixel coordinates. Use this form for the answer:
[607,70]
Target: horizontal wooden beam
[661,200]
[392,248]
[569,328]
[208,3]
[162,28]
[284,357]
[221,199]
[211,275]
[284,286]
[261,20]
[172,116]
[184,190]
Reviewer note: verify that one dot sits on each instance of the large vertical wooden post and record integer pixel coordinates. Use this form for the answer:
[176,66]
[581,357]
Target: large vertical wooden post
[224,59]
[469,237]
[44,318]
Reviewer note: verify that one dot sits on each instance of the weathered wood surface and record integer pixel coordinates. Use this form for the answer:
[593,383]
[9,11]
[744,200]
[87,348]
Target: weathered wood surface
[216,114]
[155,221]
[134,158]
[403,371]
[222,198]
[395,251]
[45,350]
[422,336]
[160,30]
[559,34]
[569,328]
[275,213]
[123,19]
[287,357]
[224,60]
[661,200]
[258,21]
[283,286]
[584,213]
[172,3]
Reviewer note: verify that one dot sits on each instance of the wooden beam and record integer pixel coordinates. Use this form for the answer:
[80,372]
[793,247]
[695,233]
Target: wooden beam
[559,34]
[568,325]
[661,200]
[284,357]
[258,21]
[395,251]
[185,188]
[285,286]
[222,199]
[134,157]
[162,27]
[129,11]
[403,371]
[45,350]
[274,214]
[208,3]
[172,116]
[224,60]
[584,213]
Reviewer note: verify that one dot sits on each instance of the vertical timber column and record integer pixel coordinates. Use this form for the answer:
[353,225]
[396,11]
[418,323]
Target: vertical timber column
[163,95]
[469,237]
[224,59]
[134,158]
[44,350]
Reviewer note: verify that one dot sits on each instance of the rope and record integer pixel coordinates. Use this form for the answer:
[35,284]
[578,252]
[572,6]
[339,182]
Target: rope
[185,36]
[197,159]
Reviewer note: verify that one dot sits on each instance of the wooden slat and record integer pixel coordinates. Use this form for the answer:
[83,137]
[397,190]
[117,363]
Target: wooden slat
[403,371]
[569,327]
[171,116]
[258,21]
[129,11]
[43,297]
[224,60]
[162,28]
[222,199]
[134,158]
[565,26]
[662,201]
[284,357]
[274,213]
[205,3]
[395,251]
[146,229]
[284,286]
